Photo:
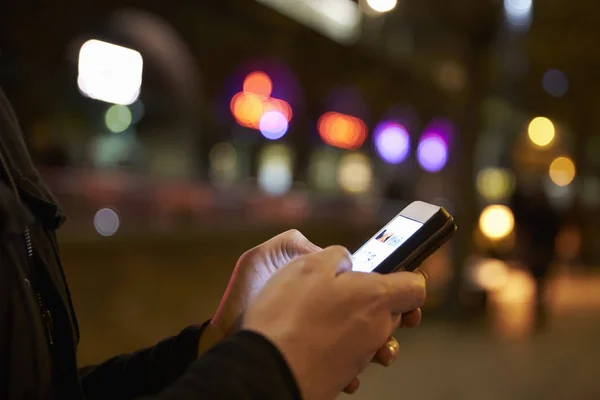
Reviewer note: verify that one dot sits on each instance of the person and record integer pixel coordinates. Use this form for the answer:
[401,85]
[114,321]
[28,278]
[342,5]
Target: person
[537,227]
[294,322]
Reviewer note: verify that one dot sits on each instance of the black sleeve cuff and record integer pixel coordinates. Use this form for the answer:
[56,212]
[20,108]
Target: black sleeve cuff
[246,366]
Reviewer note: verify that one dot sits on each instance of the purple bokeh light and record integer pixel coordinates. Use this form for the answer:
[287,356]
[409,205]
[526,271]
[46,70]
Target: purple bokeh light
[432,152]
[273,125]
[555,82]
[392,142]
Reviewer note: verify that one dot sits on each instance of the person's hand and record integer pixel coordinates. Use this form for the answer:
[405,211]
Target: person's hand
[253,269]
[328,321]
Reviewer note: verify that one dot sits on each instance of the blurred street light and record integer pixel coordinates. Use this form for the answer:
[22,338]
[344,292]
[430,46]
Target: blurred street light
[562,171]
[106,222]
[343,131]
[518,13]
[223,160]
[110,73]
[118,118]
[355,174]
[432,152]
[382,6]
[494,184]
[392,142]
[496,222]
[541,131]
[275,169]
[254,107]
[555,83]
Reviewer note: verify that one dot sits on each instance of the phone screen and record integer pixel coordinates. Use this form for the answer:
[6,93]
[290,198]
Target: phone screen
[384,243]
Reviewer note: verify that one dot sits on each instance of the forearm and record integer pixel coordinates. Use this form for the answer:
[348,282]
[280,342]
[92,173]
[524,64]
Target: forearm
[245,366]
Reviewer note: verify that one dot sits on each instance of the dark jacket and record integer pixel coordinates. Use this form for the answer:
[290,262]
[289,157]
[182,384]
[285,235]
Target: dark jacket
[38,327]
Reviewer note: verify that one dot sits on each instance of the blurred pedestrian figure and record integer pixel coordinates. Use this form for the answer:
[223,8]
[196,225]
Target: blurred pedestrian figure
[537,227]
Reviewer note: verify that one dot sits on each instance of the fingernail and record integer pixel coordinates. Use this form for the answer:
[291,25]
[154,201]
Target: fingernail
[423,273]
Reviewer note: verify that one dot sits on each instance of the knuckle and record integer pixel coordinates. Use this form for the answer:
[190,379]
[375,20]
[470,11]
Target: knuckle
[419,293]
[340,251]
[294,234]
[382,292]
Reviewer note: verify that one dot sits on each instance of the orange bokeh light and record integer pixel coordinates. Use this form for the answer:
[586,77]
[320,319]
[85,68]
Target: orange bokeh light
[343,131]
[247,109]
[258,83]
[249,105]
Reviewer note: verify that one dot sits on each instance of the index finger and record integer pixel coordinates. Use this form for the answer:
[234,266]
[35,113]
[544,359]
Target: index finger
[407,291]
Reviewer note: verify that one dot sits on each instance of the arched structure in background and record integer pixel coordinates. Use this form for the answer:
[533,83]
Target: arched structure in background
[162,47]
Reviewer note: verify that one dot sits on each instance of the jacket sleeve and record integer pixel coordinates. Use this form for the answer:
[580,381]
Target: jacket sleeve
[145,372]
[246,366]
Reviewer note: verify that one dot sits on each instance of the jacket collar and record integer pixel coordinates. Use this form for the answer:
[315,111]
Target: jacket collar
[29,183]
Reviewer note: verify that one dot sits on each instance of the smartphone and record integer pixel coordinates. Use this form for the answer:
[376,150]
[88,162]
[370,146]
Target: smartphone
[406,241]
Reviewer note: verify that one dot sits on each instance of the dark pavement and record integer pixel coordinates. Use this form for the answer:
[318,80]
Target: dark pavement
[447,362]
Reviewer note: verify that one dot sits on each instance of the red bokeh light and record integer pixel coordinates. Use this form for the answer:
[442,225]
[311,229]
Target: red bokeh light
[343,131]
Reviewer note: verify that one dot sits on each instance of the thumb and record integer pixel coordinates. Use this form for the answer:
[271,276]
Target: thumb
[334,260]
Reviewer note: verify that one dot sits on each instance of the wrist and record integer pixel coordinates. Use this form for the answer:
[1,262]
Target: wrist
[211,335]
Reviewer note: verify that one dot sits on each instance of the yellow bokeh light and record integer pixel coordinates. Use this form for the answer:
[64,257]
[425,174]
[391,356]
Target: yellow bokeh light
[223,163]
[541,131]
[496,222]
[355,174]
[562,171]
[491,274]
[494,183]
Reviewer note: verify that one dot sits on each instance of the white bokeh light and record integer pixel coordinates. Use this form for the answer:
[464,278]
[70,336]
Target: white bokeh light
[106,222]
[382,6]
[275,175]
[518,13]
[110,73]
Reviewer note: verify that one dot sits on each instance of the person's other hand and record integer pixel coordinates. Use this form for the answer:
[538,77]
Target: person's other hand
[330,322]
[253,269]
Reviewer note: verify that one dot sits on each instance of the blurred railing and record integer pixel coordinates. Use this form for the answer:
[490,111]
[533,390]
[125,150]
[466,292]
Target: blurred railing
[146,204]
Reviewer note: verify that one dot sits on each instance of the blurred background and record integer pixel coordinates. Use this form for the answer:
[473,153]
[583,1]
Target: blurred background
[176,135]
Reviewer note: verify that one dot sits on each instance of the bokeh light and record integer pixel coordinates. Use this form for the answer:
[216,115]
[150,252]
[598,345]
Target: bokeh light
[392,142]
[258,83]
[106,222]
[138,110]
[432,152]
[250,106]
[495,184]
[562,171]
[343,131]
[555,83]
[355,173]
[118,118]
[223,159]
[109,151]
[322,169]
[541,131]
[496,222]
[382,6]
[518,13]
[275,170]
[590,191]
[490,274]
[273,125]
[109,73]
[247,108]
